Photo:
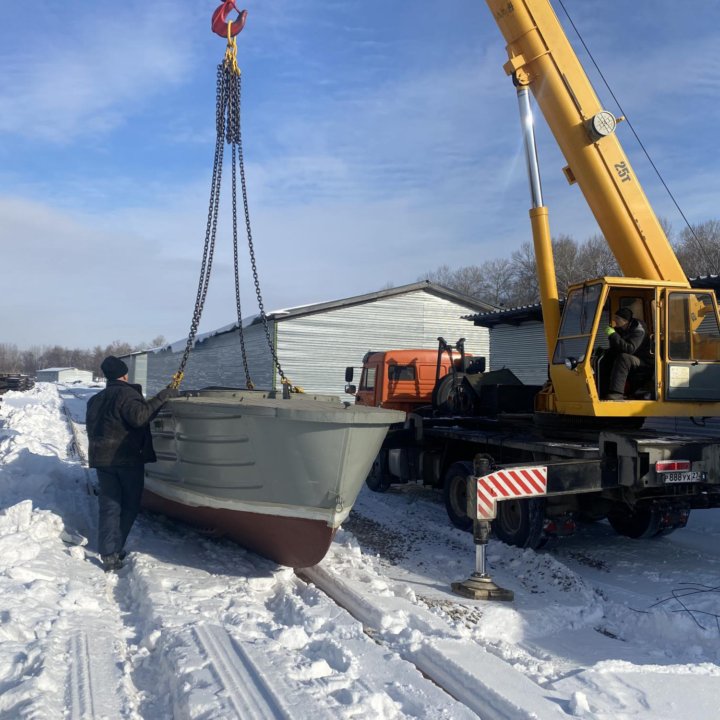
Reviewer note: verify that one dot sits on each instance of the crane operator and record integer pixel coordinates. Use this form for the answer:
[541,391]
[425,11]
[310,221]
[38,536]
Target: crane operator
[629,350]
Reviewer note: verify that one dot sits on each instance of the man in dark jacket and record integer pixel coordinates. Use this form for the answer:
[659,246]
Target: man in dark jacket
[118,429]
[630,349]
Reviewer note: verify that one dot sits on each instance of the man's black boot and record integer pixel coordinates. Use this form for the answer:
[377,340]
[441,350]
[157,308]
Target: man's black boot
[111,562]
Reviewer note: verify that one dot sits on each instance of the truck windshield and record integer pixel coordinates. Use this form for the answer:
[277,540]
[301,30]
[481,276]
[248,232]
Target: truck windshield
[576,324]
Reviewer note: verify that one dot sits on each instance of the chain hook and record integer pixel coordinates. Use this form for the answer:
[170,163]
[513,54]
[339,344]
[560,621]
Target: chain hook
[219,22]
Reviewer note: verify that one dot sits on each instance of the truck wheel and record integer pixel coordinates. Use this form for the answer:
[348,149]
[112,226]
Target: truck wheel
[520,522]
[642,521]
[455,494]
[379,478]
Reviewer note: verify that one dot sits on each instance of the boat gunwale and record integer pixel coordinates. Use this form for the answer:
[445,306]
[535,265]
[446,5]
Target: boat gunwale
[311,411]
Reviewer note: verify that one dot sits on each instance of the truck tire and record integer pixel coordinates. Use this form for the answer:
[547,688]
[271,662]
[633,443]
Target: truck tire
[379,478]
[642,521]
[520,522]
[455,494]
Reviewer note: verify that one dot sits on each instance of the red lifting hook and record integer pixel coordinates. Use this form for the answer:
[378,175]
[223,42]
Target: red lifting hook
[219,22]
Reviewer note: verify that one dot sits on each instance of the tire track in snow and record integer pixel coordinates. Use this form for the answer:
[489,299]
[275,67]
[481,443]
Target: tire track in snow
[482,682]
[79,688]
[93,676]
[249,691]
[253,622]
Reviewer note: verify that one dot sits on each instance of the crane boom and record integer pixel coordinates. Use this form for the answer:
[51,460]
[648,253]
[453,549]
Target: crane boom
[542,58]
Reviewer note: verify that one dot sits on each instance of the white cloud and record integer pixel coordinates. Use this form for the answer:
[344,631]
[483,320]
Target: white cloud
[89,75]
[359,174]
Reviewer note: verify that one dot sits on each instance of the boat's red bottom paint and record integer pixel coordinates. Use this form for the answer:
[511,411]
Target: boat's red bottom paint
[295,542]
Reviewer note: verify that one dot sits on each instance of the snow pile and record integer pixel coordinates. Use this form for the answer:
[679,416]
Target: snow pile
[602,627]
[191,628]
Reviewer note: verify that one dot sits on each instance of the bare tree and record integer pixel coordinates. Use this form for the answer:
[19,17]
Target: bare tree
[595,259]
[156,342]
[467,280]
[497,282]
[565,252]
[698,249]
[525,285]
[667,227]
[442,276]
[512,282]
[10,358]
[118,347]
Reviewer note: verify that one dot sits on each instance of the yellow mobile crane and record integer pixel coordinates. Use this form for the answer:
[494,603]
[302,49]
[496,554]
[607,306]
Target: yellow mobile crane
[682,322]
[646,484]
[578,455]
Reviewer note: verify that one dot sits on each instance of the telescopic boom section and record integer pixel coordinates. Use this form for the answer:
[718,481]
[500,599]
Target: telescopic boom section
[542,58]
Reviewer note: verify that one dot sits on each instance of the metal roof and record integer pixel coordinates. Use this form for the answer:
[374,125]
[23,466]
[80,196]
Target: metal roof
[312,308]
[426,285]
[509,316]
[58,369]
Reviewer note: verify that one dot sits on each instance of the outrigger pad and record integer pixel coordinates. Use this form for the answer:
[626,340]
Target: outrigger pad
[481,587]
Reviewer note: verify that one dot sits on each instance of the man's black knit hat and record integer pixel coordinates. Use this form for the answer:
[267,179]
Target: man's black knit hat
[113,368]
[625,313]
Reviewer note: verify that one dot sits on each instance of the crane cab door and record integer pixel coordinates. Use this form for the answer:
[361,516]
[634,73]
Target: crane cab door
[643,303]
[691,348]
[582,364]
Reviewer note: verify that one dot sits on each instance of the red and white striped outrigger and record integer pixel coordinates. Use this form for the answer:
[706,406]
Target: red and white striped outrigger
[517,482]
[489,489]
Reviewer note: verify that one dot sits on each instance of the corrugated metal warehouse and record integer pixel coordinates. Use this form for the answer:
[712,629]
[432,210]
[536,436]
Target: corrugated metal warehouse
[517,341]
[64,375]
[316,342]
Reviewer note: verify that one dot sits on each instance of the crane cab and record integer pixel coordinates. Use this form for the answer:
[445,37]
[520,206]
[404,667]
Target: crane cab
[680,374]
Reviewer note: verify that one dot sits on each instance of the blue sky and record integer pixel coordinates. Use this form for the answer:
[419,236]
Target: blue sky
[381,141]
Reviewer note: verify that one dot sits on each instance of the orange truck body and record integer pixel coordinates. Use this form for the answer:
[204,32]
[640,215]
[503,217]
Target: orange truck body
[400,379]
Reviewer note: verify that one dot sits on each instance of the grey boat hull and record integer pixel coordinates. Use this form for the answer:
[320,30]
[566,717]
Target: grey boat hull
[277,475]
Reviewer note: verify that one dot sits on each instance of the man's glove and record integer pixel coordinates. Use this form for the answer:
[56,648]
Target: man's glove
[167,393]
[609,331]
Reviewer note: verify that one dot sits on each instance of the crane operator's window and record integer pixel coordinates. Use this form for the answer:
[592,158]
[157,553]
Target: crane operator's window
[693,333]
[401,372]
[576,324]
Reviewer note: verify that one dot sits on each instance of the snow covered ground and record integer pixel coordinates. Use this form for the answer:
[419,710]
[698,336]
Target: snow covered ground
[601,626]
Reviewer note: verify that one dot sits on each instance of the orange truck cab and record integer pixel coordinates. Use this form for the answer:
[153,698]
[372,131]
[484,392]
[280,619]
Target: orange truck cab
[400,379]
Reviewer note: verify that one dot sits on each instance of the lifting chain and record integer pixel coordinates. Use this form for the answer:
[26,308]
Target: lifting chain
[228,129]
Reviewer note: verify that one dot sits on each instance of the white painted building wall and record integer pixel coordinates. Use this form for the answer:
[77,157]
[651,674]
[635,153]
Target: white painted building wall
[315,349]
[316,343]
[63,375]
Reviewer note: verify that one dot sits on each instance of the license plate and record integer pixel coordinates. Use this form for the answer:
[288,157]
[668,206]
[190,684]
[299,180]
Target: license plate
[688,476]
